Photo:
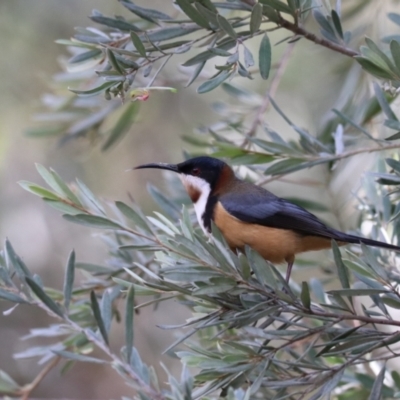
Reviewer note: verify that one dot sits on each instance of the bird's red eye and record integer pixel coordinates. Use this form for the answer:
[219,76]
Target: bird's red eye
[195,171]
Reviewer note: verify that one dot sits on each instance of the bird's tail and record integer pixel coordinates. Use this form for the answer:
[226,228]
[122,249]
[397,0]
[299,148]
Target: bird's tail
[370,242]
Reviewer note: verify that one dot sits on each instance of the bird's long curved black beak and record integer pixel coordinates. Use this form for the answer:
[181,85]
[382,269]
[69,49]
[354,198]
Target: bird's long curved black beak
[169,167]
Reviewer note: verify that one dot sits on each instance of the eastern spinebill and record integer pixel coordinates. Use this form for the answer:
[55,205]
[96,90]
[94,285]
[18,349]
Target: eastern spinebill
[247,214]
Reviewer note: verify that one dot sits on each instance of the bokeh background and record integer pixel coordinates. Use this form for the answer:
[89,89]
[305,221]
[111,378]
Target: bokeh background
[29,55]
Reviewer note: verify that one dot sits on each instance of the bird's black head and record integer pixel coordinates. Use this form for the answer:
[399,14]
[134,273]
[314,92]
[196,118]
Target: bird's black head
[199,174]
[206,168]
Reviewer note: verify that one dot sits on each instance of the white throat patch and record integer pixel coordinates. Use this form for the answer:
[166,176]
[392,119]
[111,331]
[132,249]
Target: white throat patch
[201,186]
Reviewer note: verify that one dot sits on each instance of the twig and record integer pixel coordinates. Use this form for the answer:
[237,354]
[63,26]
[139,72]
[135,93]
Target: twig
[334,157]
[298,30]
[270,92]
[26,390]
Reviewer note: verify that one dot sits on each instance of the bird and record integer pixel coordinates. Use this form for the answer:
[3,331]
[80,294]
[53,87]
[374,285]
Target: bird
[248,214]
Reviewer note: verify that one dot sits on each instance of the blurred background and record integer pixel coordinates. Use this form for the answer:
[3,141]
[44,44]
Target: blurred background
[28,31]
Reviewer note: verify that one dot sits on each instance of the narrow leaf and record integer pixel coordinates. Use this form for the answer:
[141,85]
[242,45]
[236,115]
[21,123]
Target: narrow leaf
[385,106]
[226,26]
[376,391]
[337,23]
[214,82]
[48,301]
[15,260]
[265,57]
[145,13]
[92,92]
[129,314]
[256,18]
[69,279]
[9,296]
[106,310]
[93,221]
[97,316]
[114,62]
[67,192]
[138,44]
[395,50]
[38,190]
[342,271]
[192,13]
[78,357]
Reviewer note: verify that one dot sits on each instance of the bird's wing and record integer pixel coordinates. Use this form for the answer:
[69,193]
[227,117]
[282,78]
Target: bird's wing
[263,208]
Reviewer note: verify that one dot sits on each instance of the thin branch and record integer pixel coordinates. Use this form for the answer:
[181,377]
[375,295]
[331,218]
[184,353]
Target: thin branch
[26,390]
[300,31]
[334,157]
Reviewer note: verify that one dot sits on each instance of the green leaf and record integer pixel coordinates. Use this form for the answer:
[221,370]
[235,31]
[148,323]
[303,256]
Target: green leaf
[84,56]
[391,301]
[214,82]
[66,191]
[9,296]
[138,44]
[86,192]
[392,124]
[394,137]
[168,33]
[305,295]
[271,13]
[96,90]
[48,177]
[78,357]
[46,300]
[7,384]
[38,190]
[385,106]
[342,270]
[260,267]
[379,57]
[278,5]
[395,50]
[114,62]
[129,314]
[93,221]
[222,286]
[133,215]
[256,18]
[208,14]
[394,164]
[106,310]
[374,69]
[337,23]
[145,13]
[69,279]
[192,13]
[63,207]
[97,315]
[376,391]
[265,57]
[226,26]
[122,126]
[206,55]
[15,260]
[120,24]
[196,73]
